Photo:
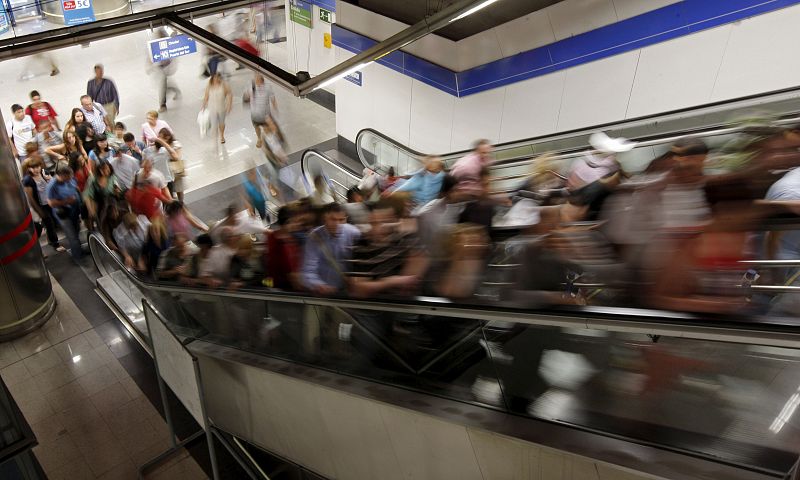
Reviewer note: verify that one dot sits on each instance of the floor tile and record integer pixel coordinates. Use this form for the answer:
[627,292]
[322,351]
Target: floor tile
[39,363]
[71,395]
[49,429]
[58,452]
[74,471]
[29,344]
[8,354]
[15,373]
[77,419]
[124,471]
[100,448]
[110,399]
[55,377]
[97,380]
[36,410]
[76,345]
[25,390]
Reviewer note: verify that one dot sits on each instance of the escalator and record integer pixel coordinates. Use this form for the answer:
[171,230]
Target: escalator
[711,398]
[716,123]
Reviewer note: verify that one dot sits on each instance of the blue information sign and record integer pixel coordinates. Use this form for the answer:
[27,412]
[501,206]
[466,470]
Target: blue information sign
[171,47]
[354,77]
[4,25]
[77,12]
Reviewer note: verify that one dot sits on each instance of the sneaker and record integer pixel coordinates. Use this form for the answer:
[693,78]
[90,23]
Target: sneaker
[258,144]
[162,109]
[496,352]
[60,248]
[55,72]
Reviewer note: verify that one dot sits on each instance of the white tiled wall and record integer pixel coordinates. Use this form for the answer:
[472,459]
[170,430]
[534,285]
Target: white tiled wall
[597,92]
[572,17]
[743,58]
[630,8]
[432,112]
[478,116]
[678,73]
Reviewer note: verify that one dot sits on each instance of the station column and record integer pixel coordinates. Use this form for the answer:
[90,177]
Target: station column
[26,295]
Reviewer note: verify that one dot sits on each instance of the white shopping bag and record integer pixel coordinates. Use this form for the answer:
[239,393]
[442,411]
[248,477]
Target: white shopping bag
[204,122]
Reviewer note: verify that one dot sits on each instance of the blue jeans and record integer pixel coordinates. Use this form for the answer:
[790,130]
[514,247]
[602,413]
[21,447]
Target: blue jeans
[72,227]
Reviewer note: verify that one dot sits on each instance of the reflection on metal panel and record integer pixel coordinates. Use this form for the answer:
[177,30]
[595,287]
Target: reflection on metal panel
[26,291]
[344,436]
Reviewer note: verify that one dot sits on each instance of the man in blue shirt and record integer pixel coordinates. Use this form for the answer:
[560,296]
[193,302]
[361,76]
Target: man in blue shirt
[327,250]
[425,185]
[65,200]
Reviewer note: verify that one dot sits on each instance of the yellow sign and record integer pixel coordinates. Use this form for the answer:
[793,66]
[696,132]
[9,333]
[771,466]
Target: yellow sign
[326,40]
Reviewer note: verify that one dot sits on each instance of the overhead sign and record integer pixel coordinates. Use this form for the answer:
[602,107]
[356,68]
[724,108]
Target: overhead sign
[77,12]
[300,12]
[171,47]
[354,77]
[325,15]
[4,25]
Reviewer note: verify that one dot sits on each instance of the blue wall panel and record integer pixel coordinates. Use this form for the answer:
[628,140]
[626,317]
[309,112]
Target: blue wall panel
[672,21]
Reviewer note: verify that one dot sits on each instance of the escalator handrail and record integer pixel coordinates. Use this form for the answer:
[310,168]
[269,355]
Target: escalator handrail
[784,333]
[569,153]
[585,131]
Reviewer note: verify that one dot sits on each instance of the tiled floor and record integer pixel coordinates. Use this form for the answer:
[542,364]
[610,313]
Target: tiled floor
[91,419]
[304,122]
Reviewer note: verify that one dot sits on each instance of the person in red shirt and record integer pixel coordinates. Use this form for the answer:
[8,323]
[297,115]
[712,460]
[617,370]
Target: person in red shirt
[284,252]
[40,110]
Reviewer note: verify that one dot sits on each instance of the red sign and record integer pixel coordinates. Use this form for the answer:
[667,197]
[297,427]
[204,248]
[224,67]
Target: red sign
[69,5]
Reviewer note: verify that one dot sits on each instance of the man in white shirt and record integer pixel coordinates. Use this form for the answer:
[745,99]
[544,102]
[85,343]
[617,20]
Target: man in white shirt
[217,268]
[21,130]
[148,175]
[94,113]
[125,168]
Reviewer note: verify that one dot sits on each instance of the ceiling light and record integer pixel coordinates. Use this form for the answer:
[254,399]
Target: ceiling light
[474,9]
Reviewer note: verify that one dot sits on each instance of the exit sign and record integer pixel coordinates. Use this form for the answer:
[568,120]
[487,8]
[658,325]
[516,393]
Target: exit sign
[325,15]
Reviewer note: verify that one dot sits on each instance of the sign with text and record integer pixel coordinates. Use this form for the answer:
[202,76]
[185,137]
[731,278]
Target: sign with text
[355,77]
[300,12]
[325,15]
[4,25]
[77,12]
[171,47]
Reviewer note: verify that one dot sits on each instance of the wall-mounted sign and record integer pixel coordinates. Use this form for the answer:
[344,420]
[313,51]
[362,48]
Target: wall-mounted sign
[4,24]
[325,15]
[300,12]
[355,77]
[327,40]
[171,47]
[77,12]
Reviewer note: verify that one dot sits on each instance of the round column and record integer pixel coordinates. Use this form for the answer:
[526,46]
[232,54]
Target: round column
[26,295]
[102,9]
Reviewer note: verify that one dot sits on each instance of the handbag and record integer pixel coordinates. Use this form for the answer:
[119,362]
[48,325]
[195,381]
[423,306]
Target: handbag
[177,167]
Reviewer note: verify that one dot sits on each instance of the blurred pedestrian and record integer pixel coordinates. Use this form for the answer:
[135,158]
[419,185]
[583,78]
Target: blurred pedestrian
[104,91]
[40,110]
[152,127]
[218,101]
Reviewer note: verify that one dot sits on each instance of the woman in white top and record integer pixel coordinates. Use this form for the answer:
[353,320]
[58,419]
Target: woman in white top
[218,100]
[151,127]
[170,151]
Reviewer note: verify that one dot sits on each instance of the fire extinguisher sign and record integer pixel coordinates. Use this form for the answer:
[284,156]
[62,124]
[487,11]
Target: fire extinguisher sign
[77,12]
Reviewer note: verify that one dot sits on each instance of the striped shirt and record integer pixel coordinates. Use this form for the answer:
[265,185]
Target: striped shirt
[96,117]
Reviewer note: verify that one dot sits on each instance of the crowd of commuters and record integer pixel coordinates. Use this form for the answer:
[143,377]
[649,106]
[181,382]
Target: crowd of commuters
[671,236]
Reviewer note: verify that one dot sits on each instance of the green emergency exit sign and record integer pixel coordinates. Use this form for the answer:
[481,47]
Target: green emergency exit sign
[325,15]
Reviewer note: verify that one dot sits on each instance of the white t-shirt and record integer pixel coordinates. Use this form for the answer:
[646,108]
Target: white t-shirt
[160,158]
[156,178]
[125,168]
[21,132]
[218,264]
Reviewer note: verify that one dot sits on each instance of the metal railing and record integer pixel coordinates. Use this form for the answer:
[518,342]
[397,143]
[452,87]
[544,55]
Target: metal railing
[624,319]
